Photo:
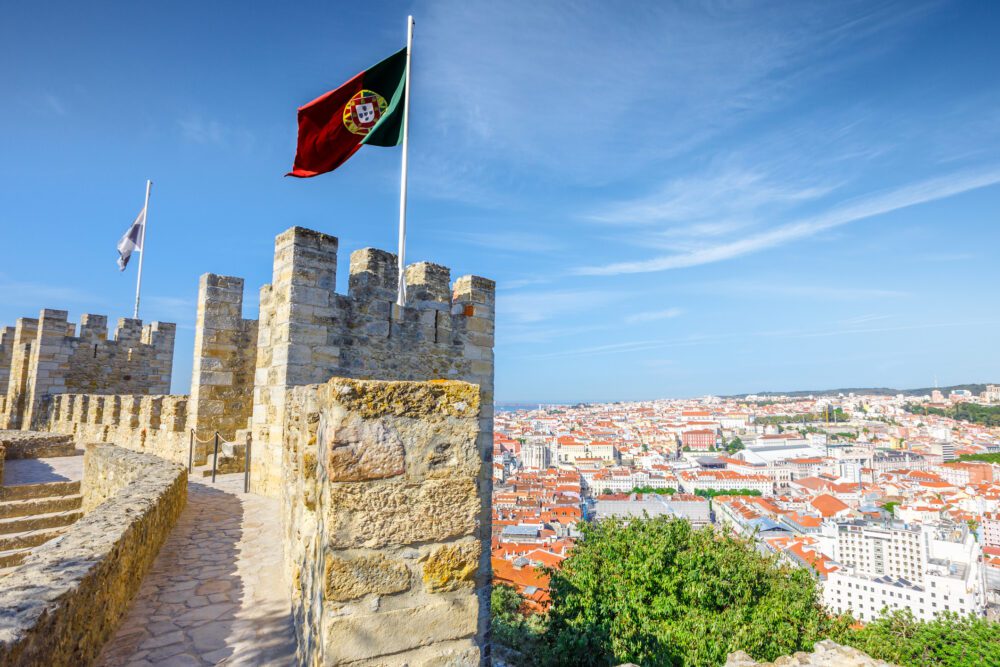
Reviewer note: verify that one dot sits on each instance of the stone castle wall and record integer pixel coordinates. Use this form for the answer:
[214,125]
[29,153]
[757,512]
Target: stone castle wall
[46,357]
[243,368]
[386,537]
[308,333]
[6,357]
[225,353]
[152,424]
[67,597]
[417,443]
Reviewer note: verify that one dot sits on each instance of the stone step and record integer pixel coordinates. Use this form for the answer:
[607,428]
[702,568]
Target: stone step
[53,450]
[38,522]
[45,490]
[14,508]
[13,557]
[29,539]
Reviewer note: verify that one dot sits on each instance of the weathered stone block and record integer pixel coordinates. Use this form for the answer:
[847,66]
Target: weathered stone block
[379,514]
[452,567]
[403,629]
[347,578]
[361,449]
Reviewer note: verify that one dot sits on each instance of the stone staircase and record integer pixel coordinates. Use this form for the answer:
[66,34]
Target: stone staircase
[32,514]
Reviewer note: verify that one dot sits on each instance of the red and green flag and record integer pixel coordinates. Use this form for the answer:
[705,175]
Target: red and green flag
[368,109]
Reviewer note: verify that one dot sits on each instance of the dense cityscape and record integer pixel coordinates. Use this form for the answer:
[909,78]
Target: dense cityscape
[890,501]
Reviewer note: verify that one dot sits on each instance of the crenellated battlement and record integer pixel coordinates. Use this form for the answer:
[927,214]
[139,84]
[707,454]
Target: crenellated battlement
[370,473]
[309,333]
[133,421]
[45,357]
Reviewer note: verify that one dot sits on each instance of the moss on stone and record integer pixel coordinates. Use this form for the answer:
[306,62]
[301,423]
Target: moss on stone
[451,567]
[372,398]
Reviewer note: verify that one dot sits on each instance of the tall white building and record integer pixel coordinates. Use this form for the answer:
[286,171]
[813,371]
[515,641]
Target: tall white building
[927,569]
[535,455]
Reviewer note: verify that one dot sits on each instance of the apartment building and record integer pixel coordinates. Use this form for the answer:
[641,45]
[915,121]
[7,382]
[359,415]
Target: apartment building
[990,529]
[724,480]
[927,569]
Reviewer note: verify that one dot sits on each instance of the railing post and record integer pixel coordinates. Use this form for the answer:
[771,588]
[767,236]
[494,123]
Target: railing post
[191,452]
[246,464]
[215,457]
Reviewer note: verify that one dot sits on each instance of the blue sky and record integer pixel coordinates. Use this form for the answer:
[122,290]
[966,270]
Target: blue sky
[674,198]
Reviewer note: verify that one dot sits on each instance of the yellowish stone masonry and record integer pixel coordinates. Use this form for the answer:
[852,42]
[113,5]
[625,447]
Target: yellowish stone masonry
[372,424]
[384,524]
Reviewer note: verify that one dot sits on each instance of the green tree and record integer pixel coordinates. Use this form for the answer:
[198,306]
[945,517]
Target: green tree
[984,458]
[949,640]
[667,491]
[511,627]
[712,493]
[655,592]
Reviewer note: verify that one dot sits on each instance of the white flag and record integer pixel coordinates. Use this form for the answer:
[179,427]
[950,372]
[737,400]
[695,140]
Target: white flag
[132,240]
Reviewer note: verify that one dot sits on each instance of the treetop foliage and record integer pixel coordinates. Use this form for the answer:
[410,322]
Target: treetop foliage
[658,592]
[987,415]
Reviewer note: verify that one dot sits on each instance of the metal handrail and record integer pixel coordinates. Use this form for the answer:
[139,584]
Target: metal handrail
[216,438]
[246,464]
[215,457]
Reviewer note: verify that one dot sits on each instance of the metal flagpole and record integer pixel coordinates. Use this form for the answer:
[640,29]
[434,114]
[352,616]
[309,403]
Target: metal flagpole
[401,292]
[142,246]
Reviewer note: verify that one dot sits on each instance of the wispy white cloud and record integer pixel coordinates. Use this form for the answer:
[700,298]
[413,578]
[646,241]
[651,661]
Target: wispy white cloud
[180,310]
[732,195]
[945,257]
[197,129]
[539,306]
[853,211]
[756,288]
[727,338]
[864,319]
[55,104]
[653,315]
[511,241]
[42,295]
[611,348]
[659,78]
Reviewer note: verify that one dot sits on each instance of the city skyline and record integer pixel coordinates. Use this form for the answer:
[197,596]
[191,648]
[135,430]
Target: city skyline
[711,200]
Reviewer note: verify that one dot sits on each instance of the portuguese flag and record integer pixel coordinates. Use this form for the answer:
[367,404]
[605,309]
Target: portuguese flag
[368,109]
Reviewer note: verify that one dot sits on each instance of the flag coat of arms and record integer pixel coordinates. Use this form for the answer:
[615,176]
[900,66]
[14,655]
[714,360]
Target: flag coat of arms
[368,109]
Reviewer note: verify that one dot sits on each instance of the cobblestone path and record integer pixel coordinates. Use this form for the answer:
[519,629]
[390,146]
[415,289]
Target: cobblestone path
[216,592]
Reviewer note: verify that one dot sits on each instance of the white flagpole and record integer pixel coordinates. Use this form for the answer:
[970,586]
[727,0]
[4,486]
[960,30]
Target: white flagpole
[401,292]
[142,244]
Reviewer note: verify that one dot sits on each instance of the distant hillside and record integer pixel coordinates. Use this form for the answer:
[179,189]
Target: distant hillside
[878,391]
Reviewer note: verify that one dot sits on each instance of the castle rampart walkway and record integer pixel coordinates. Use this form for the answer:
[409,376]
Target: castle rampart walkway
[216,593]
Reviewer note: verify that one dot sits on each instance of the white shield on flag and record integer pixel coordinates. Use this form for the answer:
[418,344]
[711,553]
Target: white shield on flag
[366,112]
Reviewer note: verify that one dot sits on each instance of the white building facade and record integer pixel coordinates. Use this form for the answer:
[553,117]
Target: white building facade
[927,569]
